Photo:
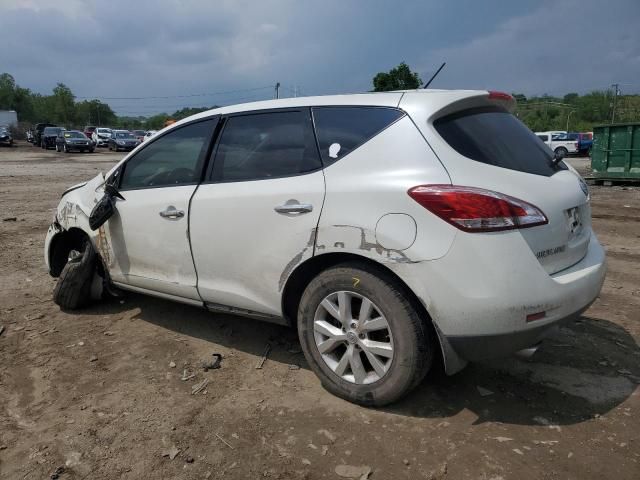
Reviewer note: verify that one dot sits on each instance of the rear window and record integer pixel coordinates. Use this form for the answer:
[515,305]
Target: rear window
[341,130]
[493,136]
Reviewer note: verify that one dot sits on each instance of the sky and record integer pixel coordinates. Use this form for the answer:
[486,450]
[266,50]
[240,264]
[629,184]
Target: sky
[206,52]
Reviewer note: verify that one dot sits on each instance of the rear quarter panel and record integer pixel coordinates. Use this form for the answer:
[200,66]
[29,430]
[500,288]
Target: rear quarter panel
[371,182]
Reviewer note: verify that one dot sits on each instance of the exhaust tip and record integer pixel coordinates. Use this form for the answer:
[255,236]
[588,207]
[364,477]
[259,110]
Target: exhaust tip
[527,353]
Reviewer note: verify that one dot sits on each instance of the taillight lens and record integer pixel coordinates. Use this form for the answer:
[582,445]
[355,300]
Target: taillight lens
[477,210]
[493,95]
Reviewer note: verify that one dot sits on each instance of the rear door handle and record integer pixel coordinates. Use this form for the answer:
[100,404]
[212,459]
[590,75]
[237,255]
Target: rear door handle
[171,213]
[294,208]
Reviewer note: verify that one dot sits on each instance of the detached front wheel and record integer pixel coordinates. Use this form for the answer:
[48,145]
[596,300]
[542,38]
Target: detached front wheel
[73,290]
[362,335]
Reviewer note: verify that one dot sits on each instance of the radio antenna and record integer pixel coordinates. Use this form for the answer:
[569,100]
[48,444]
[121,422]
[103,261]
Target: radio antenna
[426,85]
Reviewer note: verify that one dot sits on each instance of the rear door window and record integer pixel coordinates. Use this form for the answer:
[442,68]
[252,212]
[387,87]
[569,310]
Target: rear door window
[341,130]
[493,136]
[262,146]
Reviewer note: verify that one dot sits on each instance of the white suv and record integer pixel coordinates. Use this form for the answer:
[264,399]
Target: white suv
[101,136]
[387,227]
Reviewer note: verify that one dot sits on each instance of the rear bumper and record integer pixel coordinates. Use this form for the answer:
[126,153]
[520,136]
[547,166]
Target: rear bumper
[480,294]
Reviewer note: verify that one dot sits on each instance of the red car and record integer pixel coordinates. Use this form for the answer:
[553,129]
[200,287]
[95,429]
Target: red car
[88,130]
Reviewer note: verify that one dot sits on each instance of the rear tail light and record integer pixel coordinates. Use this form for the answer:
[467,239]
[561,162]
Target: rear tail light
[477,210]
[493,95]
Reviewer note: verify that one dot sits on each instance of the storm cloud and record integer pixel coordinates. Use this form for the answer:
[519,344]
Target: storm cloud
[235,51]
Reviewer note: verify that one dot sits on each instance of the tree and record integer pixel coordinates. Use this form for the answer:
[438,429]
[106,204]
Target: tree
[7,91]
[63,104]
[399,78]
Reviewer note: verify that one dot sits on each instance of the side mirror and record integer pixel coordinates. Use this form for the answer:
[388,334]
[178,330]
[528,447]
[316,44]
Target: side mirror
[557,157]
[105,208]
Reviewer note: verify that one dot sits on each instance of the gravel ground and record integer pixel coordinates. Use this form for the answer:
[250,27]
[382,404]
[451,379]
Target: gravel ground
[99,394]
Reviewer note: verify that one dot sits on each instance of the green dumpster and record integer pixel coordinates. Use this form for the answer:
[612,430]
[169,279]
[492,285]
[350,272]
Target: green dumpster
[615,154]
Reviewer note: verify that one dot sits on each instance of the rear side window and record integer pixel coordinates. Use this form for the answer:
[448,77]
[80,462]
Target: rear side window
[495,137]
[341,130]
[266,145]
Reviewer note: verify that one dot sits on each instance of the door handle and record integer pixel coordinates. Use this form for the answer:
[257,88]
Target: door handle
[294,208]
[171,213]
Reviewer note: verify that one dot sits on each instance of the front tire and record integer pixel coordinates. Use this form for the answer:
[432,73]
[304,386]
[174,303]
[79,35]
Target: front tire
[73,289]
[362,335]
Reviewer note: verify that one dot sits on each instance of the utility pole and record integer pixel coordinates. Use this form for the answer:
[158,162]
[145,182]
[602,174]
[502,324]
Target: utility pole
[278,90]
[568,117]
[615,100]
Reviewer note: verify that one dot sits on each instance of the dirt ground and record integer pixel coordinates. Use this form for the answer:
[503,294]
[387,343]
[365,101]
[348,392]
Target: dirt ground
[98,394]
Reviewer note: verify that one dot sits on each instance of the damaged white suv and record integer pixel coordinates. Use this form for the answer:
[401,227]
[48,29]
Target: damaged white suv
[388,227]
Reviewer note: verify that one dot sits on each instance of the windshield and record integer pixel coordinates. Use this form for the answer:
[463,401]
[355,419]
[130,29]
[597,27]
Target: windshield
[123,135]
[74,135]
[103,130]
[495,137]
[52,130]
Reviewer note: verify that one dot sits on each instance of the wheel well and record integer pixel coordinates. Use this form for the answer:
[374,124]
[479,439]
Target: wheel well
[61,245]
[307,271]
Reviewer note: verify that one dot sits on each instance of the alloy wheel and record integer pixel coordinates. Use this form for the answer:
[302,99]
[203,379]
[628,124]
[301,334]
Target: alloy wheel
[353,337]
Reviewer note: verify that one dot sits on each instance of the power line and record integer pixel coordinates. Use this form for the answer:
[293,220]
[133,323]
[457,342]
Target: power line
[176,96]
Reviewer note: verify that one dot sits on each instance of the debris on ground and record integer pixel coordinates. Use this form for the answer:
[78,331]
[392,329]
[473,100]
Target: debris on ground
[328,434]
[1,329]
[263,359]
[171,452]
[294,367]
[502,439]
[34,316]
[212,364]
[93,358]
[57,472]
[199,387]
[484,392]
[172,364]
[189,459]
[518,451]
[186,376]
[224,441]
[10,219]
[351,471]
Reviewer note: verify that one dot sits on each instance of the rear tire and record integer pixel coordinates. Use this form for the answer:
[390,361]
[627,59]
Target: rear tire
[73,290]
[406,335]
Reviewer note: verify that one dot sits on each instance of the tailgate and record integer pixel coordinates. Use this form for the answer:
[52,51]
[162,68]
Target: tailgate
[482,145]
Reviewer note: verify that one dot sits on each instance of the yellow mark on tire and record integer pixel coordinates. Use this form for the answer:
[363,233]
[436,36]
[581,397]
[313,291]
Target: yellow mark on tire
[356,281]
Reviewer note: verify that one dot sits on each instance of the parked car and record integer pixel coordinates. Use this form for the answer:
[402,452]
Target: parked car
[5,137]
[559,142]
[37,132]
[70,140]
[122,140]
[88,130]
[149,134]
[391,228]
[139,134]
[101,136]
[49,137]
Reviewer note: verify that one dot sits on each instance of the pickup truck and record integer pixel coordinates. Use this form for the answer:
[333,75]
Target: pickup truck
[559,142]
[585,140]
